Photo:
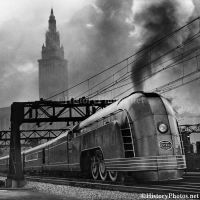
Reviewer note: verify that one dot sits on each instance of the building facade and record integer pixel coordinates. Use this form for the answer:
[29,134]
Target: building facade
[53,71]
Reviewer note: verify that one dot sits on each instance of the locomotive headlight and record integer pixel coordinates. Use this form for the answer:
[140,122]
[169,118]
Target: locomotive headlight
[162,127]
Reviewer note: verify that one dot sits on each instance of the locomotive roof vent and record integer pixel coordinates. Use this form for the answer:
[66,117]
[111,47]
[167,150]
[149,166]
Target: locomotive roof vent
[147,94]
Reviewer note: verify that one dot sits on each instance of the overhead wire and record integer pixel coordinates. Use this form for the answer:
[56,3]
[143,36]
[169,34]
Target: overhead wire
[125,76]
[136,53]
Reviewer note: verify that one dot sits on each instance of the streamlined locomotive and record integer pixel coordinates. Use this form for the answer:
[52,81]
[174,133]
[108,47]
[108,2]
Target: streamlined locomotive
[136,136]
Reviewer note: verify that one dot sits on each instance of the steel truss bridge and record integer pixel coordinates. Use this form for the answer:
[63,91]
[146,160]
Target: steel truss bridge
[31,137]
[70,112]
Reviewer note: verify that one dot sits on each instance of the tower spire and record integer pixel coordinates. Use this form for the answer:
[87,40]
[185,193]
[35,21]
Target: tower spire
[53,39]
[52,22]
[52,66]
[51,11]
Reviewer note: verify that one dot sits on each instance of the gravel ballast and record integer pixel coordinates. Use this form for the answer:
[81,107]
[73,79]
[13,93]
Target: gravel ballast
[77,193]
[81,193]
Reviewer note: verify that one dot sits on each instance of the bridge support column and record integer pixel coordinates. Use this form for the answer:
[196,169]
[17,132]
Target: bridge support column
[15,177]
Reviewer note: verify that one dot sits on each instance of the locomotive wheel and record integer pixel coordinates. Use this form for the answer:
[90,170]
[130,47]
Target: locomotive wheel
[113,175]
[102,170]
[94,168]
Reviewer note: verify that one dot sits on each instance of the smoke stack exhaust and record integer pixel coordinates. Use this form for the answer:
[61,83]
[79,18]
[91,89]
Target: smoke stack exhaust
[155,20]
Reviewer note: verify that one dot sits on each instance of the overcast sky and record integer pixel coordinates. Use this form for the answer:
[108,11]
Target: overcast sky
[85,28]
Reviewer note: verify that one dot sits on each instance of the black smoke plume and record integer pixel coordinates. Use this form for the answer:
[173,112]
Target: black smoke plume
[157,21]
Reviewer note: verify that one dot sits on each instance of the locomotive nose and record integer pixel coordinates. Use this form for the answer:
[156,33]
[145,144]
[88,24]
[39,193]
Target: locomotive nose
[166,128]
[170,158]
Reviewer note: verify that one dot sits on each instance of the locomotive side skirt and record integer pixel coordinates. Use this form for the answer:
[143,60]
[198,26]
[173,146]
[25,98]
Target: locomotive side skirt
[146,163]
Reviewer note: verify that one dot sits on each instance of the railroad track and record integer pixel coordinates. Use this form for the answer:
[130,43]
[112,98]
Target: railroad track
[185,186]
[189,185]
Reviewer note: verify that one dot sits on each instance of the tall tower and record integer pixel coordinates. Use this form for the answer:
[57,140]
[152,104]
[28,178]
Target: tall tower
[52,67]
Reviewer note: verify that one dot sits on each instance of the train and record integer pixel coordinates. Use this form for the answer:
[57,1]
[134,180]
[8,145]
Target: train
[136,136]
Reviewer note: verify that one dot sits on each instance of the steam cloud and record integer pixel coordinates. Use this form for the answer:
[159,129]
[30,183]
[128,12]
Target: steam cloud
[156,19]
[99,36]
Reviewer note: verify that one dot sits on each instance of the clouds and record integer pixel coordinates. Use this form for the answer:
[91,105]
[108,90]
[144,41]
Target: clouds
[98,35]
[21,82]
[19,49]
[37,10]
